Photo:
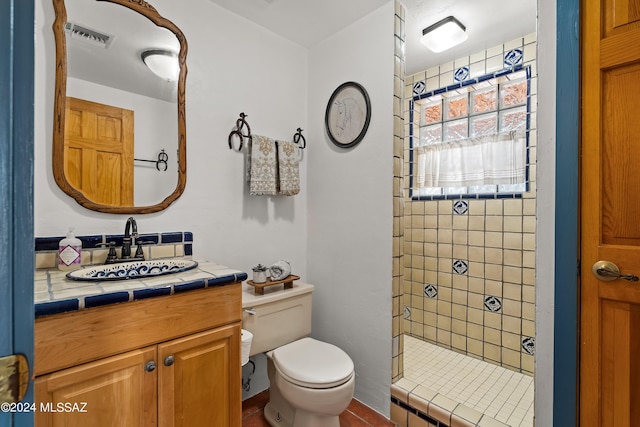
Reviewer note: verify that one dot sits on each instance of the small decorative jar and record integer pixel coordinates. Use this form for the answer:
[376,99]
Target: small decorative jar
[259,274]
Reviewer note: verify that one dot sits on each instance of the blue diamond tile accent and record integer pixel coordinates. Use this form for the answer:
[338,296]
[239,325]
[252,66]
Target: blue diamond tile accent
[461,74]
[513,57]
[460,207]
[406,313]
[419,88]
[493,303]
[431,291]
[529,345]
[460,266]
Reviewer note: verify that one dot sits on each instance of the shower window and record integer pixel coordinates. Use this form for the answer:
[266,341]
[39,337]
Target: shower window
[471,139]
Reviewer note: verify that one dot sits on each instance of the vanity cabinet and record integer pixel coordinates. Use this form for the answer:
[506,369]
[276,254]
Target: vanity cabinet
[115,391]
[165,361]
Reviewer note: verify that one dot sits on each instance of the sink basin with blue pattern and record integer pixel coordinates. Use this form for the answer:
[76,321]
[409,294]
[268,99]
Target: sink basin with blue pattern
[132,270]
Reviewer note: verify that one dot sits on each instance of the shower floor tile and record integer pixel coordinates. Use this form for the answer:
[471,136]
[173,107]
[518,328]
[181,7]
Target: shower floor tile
[500,393]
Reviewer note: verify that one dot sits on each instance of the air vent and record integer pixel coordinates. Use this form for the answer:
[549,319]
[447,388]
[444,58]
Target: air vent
[88,35]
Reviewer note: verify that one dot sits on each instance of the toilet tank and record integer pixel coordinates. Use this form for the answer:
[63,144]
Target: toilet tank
[278,317]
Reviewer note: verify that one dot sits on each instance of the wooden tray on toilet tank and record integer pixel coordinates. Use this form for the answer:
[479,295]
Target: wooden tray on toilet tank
[259,287]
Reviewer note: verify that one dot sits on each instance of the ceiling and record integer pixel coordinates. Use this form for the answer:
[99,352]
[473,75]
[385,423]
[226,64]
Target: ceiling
[307,22]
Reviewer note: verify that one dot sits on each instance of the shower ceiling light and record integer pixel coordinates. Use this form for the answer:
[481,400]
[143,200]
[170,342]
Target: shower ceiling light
[443,35]
[163,63]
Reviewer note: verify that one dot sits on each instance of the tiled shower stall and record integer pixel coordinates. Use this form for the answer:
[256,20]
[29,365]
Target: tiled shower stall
[464,266]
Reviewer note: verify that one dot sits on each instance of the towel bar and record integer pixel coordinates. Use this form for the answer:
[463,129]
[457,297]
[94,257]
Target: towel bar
[162,160]
[241,124]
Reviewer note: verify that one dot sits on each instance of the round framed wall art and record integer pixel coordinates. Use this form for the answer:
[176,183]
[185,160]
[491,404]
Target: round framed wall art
[348,115]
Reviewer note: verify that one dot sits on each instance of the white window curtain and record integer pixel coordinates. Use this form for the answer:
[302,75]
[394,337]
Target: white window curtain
[492,159]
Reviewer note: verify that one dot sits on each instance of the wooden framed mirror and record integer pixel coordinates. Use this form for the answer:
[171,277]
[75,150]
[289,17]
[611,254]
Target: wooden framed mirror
[111,113]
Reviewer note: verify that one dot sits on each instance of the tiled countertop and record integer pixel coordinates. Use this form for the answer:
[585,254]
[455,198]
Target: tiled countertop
[54,293]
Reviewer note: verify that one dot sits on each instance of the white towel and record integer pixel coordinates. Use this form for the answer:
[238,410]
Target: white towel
[280,270]
[288,168]
[263,168]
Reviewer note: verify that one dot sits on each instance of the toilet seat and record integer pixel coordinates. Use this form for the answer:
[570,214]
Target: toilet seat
[313,364]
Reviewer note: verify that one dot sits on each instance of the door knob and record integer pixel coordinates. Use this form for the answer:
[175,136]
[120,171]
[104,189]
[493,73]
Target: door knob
[608,271]
[168,361]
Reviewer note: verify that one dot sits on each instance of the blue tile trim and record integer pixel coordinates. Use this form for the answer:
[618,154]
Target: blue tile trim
[55,307]
[98,300]
[174,237]
[188,249]
[188,236]
[403,405]
[239,277]
[411,114]
[149,293]
[470,196]
[149,238]
[89,242]
[183,287]
[416,412]
[47,243]
[222,280]
[117,238]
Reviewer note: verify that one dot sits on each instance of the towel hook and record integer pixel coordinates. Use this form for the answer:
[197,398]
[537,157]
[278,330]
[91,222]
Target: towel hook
[241,123]
[297,137]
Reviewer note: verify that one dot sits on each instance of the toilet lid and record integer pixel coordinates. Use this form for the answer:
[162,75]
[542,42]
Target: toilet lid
[313,364]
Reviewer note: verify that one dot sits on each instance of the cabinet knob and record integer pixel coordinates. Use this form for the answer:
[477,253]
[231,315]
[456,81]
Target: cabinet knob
[150,366]
[168,361]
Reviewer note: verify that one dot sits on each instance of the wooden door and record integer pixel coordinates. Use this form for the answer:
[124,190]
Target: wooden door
[118,391]
[610,213]
[200,380]
[98,151]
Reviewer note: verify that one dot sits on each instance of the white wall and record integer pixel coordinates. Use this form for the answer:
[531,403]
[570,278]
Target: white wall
[233,66]
[155,128]
[350,205]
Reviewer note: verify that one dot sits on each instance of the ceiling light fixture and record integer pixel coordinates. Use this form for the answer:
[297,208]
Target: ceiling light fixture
[443,35]
[163,63]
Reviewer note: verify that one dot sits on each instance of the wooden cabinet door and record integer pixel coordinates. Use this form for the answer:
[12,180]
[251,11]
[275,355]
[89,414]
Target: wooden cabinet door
[610,212]
[117,391]
[98,151]
[200,380]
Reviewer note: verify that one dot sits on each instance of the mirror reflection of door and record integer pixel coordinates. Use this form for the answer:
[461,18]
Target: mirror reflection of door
[98,148]
[104,46]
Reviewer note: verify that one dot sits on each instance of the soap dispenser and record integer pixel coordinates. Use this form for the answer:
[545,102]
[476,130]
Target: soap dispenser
[69,252]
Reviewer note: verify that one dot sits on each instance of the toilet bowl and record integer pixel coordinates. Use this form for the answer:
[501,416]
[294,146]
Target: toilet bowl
[311,382]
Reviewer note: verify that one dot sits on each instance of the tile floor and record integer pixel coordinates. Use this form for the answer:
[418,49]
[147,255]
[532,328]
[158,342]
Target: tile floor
[502,394]
[356,415]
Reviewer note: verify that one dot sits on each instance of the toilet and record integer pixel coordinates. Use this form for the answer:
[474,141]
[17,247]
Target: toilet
[311,382]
